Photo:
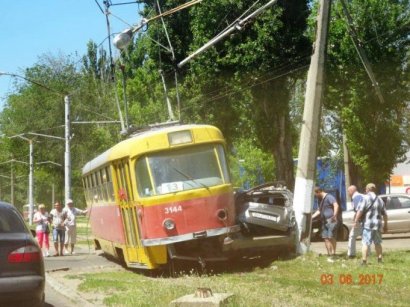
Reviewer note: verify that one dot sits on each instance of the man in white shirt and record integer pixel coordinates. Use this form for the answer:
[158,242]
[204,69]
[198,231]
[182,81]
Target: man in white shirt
[357,229]
[70,225]
[57,220]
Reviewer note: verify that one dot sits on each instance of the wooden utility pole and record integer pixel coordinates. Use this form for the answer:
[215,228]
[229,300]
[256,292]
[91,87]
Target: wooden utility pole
[306,167]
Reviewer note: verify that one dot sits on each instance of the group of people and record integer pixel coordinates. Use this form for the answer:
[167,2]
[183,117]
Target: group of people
[62,223]
[370,221]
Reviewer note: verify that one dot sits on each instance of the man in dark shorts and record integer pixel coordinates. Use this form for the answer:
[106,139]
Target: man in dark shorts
[328,210]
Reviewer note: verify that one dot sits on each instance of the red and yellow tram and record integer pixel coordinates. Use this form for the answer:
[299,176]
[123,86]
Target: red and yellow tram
[162,194]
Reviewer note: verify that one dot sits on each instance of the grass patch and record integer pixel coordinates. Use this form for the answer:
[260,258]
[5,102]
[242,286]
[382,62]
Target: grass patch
[83,226]
[293,282]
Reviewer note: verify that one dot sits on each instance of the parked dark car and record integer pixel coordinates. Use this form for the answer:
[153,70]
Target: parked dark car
[266,209]
[316,235]
[22,277]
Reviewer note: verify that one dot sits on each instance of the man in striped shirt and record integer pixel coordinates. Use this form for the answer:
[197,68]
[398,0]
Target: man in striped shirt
[371,209]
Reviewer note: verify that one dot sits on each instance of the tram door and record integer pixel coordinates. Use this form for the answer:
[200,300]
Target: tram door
[128,210]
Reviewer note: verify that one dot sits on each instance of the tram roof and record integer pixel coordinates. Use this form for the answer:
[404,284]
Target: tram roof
[158,136]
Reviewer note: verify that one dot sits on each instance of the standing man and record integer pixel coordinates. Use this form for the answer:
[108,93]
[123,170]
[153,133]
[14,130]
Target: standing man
[357,229]
[57,221]
[370,212]
[328,210]
[70,225]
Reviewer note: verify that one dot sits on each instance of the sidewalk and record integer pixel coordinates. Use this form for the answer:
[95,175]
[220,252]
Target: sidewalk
[83,261]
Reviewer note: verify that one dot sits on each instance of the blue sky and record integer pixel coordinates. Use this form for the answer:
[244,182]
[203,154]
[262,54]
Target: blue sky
[29,29]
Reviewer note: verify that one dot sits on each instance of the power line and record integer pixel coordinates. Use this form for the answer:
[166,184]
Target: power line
[243,88]
[361,53]
[264,74]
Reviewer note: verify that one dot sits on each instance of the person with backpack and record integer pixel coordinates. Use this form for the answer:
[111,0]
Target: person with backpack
[369,214]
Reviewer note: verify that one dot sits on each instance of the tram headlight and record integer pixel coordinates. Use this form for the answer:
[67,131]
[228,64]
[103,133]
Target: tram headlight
[168,224]
[222,214]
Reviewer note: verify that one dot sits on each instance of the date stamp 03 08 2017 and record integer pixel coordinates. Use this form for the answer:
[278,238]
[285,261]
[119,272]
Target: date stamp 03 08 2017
[348,279]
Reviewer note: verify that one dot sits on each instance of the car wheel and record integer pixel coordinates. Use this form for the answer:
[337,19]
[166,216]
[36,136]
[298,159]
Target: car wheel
[344,233]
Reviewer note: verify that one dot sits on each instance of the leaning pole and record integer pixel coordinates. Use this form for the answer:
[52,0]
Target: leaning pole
[306,166]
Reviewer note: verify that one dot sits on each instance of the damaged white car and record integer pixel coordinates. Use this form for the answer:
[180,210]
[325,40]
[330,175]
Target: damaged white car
[266,209]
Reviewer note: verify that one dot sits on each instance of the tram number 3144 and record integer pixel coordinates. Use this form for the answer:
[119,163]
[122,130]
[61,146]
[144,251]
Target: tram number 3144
[173,209]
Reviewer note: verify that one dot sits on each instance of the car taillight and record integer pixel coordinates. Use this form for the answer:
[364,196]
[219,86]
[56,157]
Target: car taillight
[28,253]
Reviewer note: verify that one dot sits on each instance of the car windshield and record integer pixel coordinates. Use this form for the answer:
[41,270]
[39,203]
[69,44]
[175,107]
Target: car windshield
[195,167]
[10,221]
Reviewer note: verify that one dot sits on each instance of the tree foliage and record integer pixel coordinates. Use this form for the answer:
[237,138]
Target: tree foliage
[242,84]
[373,128]
[250,85]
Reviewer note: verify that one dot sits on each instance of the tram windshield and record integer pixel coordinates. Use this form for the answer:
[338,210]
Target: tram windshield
[201,166]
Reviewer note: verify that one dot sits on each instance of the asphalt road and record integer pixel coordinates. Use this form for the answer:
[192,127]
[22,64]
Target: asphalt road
[390,242]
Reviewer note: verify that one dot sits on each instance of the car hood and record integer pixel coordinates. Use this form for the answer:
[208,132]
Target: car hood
[348,217]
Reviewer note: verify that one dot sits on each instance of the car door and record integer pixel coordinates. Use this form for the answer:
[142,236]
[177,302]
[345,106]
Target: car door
[404,213]
[398,212]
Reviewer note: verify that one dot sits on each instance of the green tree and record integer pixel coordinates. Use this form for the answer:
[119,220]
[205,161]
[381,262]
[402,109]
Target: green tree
[33,108]
[373,128]
[243,84]
[265,58]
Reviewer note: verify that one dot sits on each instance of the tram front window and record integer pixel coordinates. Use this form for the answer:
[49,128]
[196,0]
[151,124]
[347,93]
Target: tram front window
[183,169]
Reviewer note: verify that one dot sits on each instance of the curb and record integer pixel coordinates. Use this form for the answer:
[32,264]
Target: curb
[71,295]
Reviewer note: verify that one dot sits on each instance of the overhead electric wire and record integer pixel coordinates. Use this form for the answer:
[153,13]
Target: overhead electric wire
[120,19]
[236,27]
[112,68]
[98,4]
[355,39]
[261,74]
[174,10]
[237,19]
[123,3]
[171,48]
[217,97]
[267,77]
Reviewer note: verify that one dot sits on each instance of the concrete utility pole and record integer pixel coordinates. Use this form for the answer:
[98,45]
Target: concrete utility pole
[67,138]
[67,153]
[12,185]
[30,185]
[306,168]
[30,177]
[346,158]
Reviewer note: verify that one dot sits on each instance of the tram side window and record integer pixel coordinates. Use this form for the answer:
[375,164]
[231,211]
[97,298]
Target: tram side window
[109,185]
[90,189]
[94,188]
[85,185]
[222,159]
[143,180]
[104,193]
